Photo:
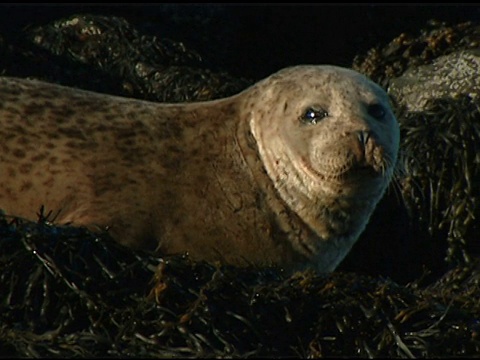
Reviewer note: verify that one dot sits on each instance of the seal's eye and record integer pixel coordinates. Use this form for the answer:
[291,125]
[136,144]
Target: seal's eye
[313,115]
[376,110]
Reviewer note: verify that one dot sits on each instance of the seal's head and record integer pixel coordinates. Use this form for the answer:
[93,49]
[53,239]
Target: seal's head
[329,141]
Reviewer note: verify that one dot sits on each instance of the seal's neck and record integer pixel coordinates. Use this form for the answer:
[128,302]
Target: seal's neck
[289,228]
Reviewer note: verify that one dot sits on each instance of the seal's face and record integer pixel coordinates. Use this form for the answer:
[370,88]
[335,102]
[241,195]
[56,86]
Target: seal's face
[332,131]
[328,139]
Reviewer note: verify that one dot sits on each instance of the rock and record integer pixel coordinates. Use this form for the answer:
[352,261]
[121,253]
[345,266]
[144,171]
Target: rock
[448,76]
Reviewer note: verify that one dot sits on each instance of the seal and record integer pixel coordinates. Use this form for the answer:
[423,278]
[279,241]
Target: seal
[285,173]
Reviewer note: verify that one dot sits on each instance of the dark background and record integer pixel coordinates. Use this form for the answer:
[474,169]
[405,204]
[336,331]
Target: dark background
[255,40]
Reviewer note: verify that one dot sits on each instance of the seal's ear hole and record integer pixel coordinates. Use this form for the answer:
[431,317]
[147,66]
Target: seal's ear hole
[377,111]
[312,115]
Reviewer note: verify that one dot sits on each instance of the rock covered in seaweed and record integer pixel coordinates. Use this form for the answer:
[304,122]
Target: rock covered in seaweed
[107,54]
[84,296]
[406,51]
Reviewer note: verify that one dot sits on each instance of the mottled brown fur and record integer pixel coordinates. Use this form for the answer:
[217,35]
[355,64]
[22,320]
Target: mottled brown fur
[185,178]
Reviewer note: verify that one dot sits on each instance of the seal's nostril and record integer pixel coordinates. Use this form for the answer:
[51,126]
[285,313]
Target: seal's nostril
[363,136]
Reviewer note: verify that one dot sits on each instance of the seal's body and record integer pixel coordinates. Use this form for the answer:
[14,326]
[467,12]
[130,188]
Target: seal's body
[284,173]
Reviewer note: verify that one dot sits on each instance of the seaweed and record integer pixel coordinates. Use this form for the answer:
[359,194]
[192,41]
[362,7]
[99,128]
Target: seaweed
[80,294]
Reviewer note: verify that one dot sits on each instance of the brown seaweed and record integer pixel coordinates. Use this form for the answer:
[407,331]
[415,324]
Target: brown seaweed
[83,295]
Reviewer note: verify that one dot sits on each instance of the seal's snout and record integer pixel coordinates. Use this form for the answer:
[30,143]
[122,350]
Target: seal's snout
[361,139]
[366,151]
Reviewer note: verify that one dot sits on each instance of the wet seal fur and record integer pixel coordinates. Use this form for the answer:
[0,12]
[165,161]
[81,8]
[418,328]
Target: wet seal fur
[287,172]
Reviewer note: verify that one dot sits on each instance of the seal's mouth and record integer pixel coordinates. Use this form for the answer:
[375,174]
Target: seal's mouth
[351,170]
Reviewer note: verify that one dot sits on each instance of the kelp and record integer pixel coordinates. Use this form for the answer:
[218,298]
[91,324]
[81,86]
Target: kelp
[443,167]
[81,294]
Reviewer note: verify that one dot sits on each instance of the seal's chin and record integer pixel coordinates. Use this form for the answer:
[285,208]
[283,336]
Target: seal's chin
[361,176]
[366,170]
[365,177]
